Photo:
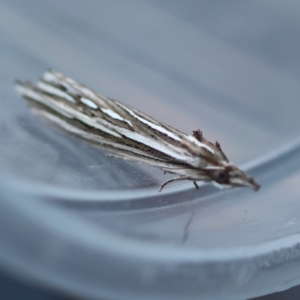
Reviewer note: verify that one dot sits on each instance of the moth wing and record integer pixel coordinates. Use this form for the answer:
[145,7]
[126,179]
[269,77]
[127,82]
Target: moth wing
[85,113]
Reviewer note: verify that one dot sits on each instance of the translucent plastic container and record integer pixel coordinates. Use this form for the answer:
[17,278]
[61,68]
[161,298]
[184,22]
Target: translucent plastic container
[96,227]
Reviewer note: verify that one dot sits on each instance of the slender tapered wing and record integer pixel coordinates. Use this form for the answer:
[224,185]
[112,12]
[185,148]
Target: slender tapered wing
[81,111]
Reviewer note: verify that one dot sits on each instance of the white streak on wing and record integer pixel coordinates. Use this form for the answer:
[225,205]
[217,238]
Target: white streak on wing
[154,126]
[52,90]
[51,77]
[92,137]
[68,127]
[87,92]
[193,161]
[72,86]
[27,92]
[63,109]
[214,168]
[114,115]
[91,122]
[88,103]
[195,141]
[141,159]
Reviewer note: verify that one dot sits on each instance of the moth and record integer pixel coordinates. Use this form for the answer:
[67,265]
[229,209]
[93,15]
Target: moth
[130,134]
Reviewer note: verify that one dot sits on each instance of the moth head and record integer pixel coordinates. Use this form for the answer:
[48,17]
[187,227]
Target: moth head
[230,176]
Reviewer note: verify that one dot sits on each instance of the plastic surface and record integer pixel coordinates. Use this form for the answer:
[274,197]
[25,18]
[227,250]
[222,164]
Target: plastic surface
[94,226]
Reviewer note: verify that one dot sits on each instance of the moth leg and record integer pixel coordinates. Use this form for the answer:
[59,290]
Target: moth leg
[196,185]
[171,180]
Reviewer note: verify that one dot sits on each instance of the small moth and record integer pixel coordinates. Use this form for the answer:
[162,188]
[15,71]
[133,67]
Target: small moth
[129,134]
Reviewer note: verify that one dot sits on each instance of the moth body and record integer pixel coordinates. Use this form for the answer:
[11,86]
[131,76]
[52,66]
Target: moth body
[129,134]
